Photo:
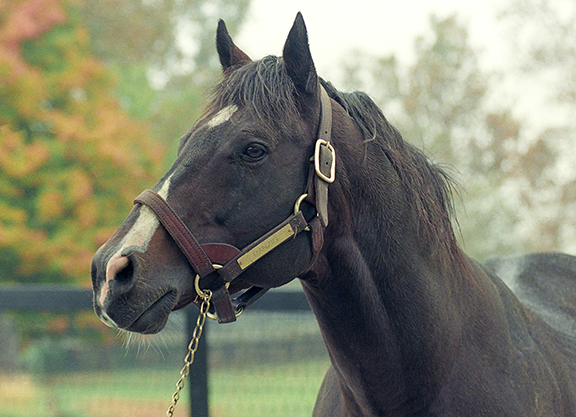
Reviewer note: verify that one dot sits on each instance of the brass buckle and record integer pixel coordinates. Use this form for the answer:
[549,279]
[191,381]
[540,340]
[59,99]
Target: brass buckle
[322,145]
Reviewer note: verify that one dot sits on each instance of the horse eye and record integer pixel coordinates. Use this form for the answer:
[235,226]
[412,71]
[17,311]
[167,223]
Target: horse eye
[255,152]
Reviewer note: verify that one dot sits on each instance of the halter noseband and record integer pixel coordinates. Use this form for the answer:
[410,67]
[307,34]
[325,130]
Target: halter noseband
[218,264]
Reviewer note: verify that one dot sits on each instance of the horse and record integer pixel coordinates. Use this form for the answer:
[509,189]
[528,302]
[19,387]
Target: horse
[286,177]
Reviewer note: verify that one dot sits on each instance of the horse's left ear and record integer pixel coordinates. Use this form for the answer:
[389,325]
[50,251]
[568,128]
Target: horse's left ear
[298,59]
[230,55]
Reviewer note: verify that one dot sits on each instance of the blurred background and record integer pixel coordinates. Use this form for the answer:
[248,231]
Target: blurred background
[94,95]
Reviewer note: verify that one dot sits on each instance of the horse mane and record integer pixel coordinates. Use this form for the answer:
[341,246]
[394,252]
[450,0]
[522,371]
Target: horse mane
[264,88]
[428,186]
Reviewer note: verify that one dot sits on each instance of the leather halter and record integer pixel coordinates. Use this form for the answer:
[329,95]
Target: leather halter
[218,264]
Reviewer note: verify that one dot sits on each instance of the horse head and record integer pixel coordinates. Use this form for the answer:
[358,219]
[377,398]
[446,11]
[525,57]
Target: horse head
[238,175]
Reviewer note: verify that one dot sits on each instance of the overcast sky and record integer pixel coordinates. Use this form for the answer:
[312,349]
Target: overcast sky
[380,27]
[383,27]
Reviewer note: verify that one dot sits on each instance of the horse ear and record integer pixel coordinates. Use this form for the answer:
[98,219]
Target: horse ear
[298,59]
[230,55]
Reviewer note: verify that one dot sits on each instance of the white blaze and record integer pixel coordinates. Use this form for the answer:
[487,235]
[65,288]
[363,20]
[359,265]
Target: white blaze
[139,235]
[146,224]
[222,116]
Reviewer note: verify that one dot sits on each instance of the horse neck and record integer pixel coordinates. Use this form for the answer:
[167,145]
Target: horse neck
[387,305]
[388,327]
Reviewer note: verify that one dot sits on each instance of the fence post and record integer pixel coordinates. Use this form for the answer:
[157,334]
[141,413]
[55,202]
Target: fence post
[198,378]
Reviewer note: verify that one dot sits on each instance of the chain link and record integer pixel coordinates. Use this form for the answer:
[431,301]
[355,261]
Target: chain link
[192,347]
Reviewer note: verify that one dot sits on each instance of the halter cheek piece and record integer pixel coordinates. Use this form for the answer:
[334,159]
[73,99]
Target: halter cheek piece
[218,264]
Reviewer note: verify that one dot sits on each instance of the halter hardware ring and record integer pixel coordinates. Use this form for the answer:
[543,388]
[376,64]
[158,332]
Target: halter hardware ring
[213,316]
[297,207]
[298,202]
[202,293]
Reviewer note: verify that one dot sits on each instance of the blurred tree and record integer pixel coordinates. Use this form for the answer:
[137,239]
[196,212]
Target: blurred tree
[544,50]
[519,189]
[436,101]
[164,53]
[445,92]
[172,36]
[545,42]
[440,103]
[71,160]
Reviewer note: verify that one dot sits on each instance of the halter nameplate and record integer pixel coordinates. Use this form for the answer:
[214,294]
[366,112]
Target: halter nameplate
[266,246]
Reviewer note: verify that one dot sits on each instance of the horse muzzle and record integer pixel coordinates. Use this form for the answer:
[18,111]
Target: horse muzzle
[122,300]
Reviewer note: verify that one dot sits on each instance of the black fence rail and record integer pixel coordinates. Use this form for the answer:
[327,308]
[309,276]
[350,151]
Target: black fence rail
[67,299]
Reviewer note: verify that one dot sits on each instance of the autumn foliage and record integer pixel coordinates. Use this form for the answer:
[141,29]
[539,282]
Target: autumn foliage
[71,161]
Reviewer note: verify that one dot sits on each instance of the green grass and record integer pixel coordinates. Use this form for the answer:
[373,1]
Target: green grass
[268,390]
[268,364]
[138,393]
[273,389]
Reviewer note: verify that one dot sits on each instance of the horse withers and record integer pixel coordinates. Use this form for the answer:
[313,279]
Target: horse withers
[284,176]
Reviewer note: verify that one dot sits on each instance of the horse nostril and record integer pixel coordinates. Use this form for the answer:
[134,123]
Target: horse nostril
[120,268]
[125,272]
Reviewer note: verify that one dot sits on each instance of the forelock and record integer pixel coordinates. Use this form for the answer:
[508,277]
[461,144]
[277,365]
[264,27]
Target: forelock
[262,87]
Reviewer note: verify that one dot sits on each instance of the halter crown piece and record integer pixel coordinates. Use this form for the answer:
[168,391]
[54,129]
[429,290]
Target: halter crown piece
[218,264]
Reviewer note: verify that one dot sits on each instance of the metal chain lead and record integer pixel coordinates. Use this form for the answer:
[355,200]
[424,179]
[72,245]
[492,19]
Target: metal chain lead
[192,348]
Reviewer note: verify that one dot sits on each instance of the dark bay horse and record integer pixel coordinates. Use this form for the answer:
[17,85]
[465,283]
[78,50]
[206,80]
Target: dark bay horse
[284,176]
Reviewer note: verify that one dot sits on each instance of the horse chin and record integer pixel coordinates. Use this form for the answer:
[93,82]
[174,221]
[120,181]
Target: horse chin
[154,318]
